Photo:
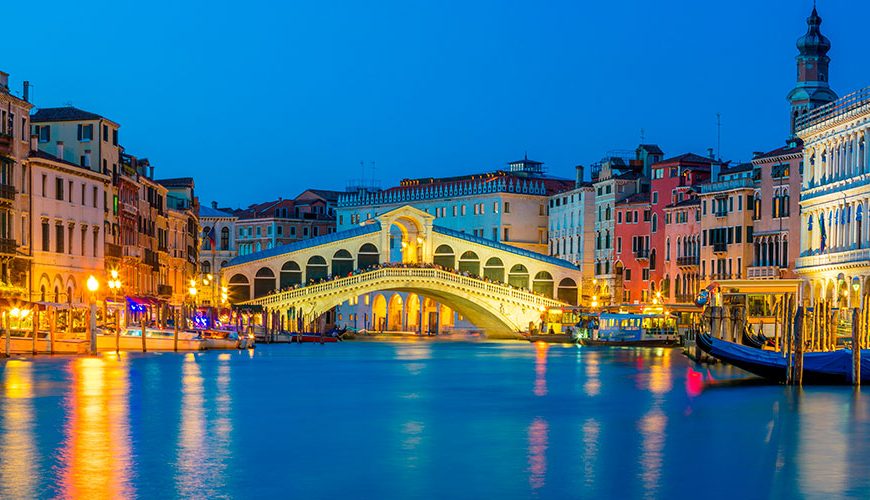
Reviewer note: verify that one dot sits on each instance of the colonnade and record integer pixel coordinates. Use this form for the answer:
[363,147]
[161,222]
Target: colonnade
[845,221]
[838,157]
[771,250]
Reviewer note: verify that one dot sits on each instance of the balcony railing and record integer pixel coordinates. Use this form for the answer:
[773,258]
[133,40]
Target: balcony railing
[689,260]
[113,250]
[720,213]
[7,192]
[759,272]
[641,253]
[836,110]
[720,247]
[6,141]
[713,187]
[860,255]
[8,246]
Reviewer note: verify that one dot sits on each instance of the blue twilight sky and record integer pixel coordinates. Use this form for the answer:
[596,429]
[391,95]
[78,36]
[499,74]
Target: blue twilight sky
[258,99]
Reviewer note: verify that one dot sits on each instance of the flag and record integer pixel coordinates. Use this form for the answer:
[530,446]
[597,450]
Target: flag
[209,234]
[824,236]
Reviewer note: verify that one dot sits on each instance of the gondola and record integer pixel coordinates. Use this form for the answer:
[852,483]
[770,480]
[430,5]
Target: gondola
[827,368]
[750,340]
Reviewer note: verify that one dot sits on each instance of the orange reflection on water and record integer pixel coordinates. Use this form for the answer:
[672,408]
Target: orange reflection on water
[660,372]
[592,387]
[95,455]
[17,450]
[538,437]
[541,349]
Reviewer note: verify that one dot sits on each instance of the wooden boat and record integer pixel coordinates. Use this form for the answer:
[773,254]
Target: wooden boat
[130,339]
[24,345]
[750,340]
[221,339]
[305,337]
[833,367]
[670,342]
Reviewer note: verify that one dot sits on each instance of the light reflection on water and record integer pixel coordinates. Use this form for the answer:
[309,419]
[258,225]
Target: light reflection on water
[419,419]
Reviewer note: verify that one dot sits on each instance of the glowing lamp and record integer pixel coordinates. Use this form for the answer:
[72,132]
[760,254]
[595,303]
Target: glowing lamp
[15,312]
[93,284]
[192,291]
[114,274]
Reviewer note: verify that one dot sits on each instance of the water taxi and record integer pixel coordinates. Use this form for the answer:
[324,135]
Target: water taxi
[634,329]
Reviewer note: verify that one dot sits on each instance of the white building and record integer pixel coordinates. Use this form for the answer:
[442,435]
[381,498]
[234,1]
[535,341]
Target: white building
[835,200]
[67,215]
[572,228]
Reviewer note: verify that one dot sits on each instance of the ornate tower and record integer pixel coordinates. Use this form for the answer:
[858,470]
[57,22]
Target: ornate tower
[812,89]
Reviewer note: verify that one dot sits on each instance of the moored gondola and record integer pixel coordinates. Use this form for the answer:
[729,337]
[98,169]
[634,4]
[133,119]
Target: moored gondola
[831,368]
[750,340]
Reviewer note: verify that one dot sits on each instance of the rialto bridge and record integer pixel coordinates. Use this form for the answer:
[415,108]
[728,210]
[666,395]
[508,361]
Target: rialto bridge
[497,287]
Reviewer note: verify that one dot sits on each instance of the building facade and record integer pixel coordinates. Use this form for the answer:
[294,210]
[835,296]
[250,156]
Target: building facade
[632,248]
[571,231]
[728,209]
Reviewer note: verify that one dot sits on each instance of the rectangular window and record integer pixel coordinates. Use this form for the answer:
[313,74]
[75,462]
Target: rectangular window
[738,234]
[304,232]
[59,235]
[655,198]
[619,217]
[94,196]
[85,133]
[83,194]
[105,135]
[44,133]
[507,207]
[84,239]
[495,207]
[619,244]
[462,210]
[495,234]
[70,191]
[115,137]
[507,234]
[627,275]
[46,237]
[58,189]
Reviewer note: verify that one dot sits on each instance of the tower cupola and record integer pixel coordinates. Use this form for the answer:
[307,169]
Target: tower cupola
[812,89]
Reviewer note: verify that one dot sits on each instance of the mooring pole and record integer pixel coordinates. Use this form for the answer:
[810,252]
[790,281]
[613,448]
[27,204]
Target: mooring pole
[798,376]
[856,348]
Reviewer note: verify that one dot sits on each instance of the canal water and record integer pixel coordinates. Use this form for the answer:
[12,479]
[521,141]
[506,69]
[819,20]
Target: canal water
[421,420]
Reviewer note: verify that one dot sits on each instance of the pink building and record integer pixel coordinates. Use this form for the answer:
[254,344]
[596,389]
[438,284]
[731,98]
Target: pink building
[776,227]
[632,247]
[671,182]
[682,255]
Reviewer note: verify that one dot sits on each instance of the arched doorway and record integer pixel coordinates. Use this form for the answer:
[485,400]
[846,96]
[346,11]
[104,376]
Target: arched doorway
[568,291]
[395,312]
[413,312]
[264,282]
[239,289]
[494,270]
[444,257]
[342,263]
[518,277]
[543,284]
[316,269]
[469,262]
[379,313]
[368,256]
[291,274]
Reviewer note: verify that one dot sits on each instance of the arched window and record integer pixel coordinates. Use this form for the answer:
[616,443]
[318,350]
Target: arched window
[225,238]
[206,241]
[316,269]
[668,248]
[567,291]
[756,209]
[652,259]
[342,263]
[206,267]
[291,274]
[543,284]
[519,276]
[784,202]
[469,262]
[264,282]
[654,225]
[367,256]
[494,269]
[444,257]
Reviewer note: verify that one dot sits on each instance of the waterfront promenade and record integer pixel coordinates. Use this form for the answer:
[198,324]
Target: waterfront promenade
[420,420]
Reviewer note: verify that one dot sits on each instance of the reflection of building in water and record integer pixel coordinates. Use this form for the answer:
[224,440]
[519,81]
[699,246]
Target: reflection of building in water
[541,368]
[591,362]
[95,454]
[538,440]
[191,476]
[17,450]
[660,371]
[652,430]
[591,435]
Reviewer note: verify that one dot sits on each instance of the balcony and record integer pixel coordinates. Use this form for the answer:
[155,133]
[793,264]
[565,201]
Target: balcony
[7,192]
[132,251]
[689,261]
[8,246]
[764,272]
[720,247]
[641,254]
[721,213]
[6,141]
[833,258]
[164,291]
[112,250]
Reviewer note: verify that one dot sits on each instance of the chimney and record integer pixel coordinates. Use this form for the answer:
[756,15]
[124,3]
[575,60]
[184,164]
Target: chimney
[34,142]
[710,153]
[580,175]
[150,171]
[26,92]
[59,150]
[4,81]
[214,205]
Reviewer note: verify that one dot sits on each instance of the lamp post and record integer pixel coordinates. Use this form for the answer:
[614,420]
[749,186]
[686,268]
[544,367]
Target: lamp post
[114,288]
[93,286]
[192,292]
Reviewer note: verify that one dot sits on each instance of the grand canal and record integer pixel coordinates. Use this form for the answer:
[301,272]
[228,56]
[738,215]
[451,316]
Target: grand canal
[421,420]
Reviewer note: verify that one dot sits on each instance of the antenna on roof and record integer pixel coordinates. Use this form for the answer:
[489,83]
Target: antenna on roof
[373,173]
[642,135]
[719,136]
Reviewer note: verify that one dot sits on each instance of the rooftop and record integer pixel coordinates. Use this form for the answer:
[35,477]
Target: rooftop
[687,158]
[63,114]
[177,182]
[206,211]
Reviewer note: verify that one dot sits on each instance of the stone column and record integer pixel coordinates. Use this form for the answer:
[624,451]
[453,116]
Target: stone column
[866,150]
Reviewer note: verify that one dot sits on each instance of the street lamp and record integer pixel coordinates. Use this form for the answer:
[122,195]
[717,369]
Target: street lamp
[192,292]
[93,286]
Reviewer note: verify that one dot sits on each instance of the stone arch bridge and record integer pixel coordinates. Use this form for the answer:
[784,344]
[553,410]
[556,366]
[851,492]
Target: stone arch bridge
[498,287]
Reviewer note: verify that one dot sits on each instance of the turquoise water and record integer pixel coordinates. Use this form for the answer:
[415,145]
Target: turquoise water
[421,420]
